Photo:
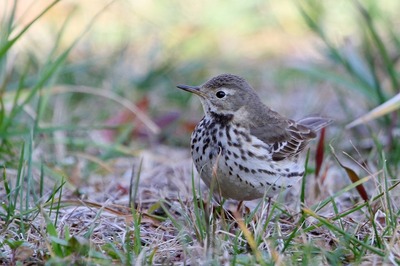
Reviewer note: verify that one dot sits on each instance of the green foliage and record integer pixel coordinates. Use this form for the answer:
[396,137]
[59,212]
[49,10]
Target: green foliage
[359,66]
[11,121]
[364,63]
[36,187]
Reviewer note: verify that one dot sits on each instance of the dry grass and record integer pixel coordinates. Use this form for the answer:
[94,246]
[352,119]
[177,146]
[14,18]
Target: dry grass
[87,179]
[171,227]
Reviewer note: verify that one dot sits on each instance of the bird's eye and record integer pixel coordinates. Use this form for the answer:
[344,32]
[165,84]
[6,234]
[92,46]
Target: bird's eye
[220,94]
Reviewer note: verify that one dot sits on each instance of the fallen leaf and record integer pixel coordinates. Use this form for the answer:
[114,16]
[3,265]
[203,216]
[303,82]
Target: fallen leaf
[353,177]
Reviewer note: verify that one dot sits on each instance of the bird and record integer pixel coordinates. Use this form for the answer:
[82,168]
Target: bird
[242,149]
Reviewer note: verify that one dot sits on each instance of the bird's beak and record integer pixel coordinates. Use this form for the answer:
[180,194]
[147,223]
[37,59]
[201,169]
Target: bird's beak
[192,89]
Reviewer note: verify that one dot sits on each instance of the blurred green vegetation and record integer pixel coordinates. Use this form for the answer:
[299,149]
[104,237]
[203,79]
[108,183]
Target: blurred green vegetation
[98,78]
[139,51]
[366,63]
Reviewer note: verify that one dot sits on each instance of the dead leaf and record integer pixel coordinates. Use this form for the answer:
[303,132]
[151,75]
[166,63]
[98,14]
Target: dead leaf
[319,155]
[353,177]
[23,253]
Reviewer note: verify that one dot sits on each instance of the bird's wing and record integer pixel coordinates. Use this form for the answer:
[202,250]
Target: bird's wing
[287,138]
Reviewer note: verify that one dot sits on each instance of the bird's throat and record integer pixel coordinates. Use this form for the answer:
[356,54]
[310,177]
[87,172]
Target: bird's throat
[222,119]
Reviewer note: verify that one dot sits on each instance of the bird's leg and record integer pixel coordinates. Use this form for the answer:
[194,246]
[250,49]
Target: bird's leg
[268,208]
[239,206]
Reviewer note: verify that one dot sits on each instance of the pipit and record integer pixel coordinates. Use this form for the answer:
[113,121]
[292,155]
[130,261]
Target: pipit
[244,147]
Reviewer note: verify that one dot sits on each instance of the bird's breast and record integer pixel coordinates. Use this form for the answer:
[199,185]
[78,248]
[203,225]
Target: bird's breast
[228,152]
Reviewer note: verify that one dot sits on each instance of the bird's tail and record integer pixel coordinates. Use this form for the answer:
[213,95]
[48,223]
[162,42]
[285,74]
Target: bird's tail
[315,123]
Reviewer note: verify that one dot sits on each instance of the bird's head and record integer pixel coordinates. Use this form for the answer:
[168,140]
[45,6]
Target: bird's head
[225,94]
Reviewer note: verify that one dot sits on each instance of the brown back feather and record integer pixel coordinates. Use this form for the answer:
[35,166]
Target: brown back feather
[289,138]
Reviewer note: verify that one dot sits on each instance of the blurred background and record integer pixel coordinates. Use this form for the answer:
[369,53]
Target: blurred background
[95,136]
[98,77]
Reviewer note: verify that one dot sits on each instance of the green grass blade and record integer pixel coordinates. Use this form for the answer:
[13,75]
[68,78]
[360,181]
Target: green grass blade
[332,227]
[5,47]
[388,64]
